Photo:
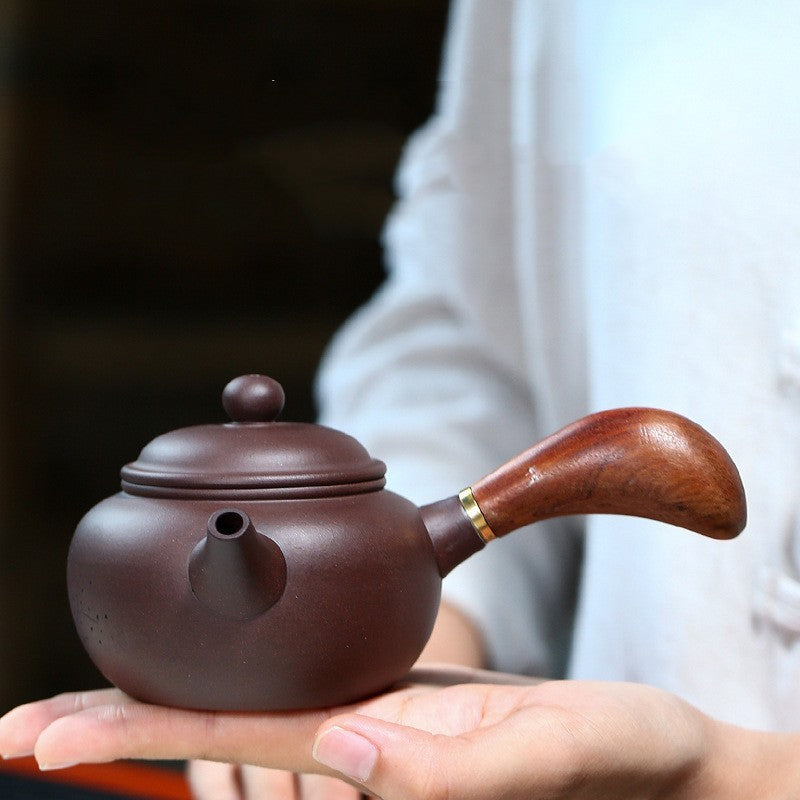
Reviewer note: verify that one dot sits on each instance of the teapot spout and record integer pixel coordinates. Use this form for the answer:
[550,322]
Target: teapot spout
[452,533]
[235,570]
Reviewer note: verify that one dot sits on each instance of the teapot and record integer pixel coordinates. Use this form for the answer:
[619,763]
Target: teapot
[262,565]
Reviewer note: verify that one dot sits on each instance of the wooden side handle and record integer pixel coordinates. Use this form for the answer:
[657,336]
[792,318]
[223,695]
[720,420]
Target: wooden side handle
[640,462]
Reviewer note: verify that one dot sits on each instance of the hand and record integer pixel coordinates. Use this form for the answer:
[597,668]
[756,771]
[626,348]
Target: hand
[455,640]
[565,739]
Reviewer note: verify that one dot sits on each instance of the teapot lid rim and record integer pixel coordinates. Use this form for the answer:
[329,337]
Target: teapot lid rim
[266,489]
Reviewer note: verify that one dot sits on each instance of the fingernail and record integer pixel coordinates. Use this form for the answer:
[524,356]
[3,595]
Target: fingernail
[346,752]
[45,766]
[16,754]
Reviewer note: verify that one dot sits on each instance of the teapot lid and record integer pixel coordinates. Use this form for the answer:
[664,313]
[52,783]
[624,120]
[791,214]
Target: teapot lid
[253,456]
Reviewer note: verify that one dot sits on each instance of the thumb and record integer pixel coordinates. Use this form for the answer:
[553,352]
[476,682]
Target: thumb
[391,761]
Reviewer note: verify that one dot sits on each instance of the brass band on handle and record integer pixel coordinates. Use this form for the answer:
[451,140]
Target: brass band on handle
[475,515]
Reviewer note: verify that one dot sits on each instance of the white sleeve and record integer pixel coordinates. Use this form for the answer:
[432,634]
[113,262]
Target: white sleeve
[438,392]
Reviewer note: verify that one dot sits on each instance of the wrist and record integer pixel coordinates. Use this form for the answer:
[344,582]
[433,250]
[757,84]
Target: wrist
[455,640]
[743,763]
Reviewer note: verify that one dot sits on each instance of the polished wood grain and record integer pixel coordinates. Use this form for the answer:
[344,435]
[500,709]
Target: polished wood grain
[636,461]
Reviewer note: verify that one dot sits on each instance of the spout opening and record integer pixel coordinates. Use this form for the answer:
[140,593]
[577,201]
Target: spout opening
[228,523]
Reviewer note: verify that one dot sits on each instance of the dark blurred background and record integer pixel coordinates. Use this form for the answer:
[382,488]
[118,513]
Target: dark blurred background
[188,191]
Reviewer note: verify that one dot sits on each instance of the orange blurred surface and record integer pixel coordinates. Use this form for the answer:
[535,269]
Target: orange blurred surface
[127,779]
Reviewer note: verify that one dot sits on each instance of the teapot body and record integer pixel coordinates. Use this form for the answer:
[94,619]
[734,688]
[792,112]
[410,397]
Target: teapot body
[357,604]
[260,565]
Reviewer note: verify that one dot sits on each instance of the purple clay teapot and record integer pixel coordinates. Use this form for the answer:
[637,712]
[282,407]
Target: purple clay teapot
[261,565]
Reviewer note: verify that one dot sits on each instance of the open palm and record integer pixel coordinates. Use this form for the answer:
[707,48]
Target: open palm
[566,739]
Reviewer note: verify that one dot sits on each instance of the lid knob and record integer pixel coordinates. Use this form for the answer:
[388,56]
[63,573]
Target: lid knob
[253,398]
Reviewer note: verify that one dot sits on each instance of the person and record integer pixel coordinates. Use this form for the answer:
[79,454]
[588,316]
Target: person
[602,212]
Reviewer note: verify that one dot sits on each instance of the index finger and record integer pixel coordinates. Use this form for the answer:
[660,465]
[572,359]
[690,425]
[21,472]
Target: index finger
[20,727]
[108,725]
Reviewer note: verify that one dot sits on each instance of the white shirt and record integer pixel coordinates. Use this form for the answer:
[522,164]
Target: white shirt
[604,211]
